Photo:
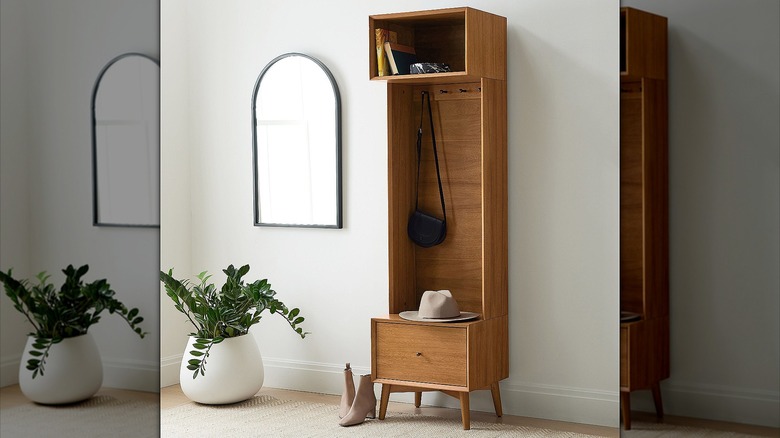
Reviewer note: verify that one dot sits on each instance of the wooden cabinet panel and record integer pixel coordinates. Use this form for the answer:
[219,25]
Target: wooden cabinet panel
[656,197]
[495,244]
[632,236]
[470,123]
[644,229]
[419,353]
[624,357]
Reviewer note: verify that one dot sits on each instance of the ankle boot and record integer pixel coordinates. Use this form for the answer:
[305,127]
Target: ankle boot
[349,392]
[364,405]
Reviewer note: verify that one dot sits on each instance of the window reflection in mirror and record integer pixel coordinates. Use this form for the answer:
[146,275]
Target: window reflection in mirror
[297,144]
[126,142]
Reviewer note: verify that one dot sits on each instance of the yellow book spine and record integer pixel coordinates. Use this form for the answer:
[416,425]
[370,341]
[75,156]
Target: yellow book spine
[383,66]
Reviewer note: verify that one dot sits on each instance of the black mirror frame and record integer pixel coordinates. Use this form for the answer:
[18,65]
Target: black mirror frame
[95,216]
[339,222]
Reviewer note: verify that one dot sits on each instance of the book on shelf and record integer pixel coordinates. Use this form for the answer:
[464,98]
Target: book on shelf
[383,36]
[400,57]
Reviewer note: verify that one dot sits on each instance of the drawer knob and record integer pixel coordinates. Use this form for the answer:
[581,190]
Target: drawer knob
[418,354]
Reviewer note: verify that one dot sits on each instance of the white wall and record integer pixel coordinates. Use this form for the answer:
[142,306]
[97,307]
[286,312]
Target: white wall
[14,205]
[724,208]
[175,193]
[61,47]
[563,196]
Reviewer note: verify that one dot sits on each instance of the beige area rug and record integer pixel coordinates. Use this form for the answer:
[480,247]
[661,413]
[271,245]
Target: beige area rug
[101,416]
[266,416]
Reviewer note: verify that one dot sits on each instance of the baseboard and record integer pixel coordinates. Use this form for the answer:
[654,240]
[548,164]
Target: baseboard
[714,402]
[524,399]
[561,403]
[117,373]
[9,369]
[298,375]
[131,374]
[169,370]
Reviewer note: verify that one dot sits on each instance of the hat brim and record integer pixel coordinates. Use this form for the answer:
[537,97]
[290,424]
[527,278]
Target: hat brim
[414,315]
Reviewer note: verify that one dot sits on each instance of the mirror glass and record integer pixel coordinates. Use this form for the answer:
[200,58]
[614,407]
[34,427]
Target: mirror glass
[126,142]
[296,132]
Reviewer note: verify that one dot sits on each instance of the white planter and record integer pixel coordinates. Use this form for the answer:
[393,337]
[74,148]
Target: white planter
[233,372]
[73,372]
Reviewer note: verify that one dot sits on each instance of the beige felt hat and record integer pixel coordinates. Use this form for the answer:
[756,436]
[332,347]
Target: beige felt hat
[438,306]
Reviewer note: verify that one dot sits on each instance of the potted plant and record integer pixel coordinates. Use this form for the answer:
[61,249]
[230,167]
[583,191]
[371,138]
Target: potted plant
[221,363]
[61,363]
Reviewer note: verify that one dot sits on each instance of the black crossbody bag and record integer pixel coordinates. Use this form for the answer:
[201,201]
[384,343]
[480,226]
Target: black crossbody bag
[426,230]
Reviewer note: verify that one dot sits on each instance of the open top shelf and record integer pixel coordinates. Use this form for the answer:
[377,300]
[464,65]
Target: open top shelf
[643,44]
[470,41]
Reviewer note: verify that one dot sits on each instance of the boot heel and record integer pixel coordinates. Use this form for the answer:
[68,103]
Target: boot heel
[372,414]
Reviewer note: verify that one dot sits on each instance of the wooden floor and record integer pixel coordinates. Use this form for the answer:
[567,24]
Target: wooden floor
[171,396]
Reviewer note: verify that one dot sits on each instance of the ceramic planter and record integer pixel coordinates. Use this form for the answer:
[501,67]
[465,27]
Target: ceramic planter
[233,372]
[73,372]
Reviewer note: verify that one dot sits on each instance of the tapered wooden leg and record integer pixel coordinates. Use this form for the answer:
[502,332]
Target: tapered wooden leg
[383,400]
[659,405]
[417,399]
[496,393]
[464,410]
[625,409]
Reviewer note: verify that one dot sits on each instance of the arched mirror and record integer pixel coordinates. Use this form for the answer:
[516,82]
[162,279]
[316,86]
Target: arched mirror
[296,139]
[126,142]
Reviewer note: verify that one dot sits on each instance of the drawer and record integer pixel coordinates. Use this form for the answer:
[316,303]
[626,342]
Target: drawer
[419,353]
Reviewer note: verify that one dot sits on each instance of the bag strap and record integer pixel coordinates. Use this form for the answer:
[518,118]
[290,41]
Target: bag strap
[425,95]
